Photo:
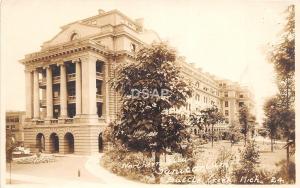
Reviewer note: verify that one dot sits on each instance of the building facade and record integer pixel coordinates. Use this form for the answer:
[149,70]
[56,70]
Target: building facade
[235,96]
[15,126]
[69,100]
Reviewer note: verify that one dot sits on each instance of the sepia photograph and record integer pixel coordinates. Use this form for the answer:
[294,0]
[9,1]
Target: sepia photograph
[145,93]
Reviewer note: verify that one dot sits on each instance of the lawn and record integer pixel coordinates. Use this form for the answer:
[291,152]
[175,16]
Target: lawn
[268,159]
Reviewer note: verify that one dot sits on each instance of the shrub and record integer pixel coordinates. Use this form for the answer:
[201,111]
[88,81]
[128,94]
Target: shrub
[179,173]
[287,177]
[249,163]
[132,165]
[221,173]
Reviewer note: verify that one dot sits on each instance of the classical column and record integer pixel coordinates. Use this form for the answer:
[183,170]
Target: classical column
[105,93]
[43,113]
[89,86]
[78,88]
[36,96]
[49,94]
[28,87]
[63,92]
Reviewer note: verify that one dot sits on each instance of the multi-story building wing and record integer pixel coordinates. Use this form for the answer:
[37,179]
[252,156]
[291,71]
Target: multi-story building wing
[69,100]
[68,95]
[233,97]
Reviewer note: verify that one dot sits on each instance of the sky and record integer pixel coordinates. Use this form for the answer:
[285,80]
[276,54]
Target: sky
[229,39]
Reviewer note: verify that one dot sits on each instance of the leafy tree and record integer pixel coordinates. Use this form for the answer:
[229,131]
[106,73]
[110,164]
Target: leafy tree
[234,134]
[145,123]
[10,146]
[244,119]
[249,163]
[209,116]
[282,56]
[272,121]
[263,132]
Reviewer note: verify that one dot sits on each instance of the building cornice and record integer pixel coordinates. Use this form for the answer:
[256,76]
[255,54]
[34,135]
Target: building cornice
[58,55]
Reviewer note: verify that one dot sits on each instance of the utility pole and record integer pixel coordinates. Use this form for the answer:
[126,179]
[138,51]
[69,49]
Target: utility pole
[10,153]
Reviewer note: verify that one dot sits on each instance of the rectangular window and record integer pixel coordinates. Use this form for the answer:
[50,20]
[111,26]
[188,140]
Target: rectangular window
[226,112]
[226,94]
[241,96]
[226,120]
[241,104]
[226,103]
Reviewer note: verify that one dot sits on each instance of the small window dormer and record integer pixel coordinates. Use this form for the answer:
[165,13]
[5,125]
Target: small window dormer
[132,47]
[74,36]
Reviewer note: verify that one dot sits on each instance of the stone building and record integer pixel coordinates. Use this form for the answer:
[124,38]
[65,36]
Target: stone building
[233,97]
[69,100]
[15,125]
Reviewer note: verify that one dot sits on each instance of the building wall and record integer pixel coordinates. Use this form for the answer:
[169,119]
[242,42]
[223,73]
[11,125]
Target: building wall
[14,125]
[86,137]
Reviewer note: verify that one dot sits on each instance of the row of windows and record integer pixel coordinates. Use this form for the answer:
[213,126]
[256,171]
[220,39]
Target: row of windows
[12,119]
[240,104]
[240,96]
[205,99]
[10,126]
[211,90]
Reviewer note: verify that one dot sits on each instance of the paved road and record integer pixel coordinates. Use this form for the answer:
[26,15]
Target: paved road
[64,169]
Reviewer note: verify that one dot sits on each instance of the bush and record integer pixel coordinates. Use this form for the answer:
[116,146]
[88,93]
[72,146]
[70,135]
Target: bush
[179,173]
[221,174]
[249,163]
[132,165]
[282,173]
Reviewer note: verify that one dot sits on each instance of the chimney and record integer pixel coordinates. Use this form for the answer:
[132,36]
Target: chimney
[101,11]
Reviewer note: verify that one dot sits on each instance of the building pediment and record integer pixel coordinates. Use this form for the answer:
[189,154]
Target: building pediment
[72,32]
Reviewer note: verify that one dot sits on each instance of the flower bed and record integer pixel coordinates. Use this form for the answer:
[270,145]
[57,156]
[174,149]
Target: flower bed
[35,159]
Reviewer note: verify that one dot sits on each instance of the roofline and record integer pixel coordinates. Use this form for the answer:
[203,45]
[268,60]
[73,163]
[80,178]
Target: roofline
[102,15]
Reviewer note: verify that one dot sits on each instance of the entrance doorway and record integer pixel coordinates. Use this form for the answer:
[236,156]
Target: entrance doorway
[40,142]
[69,143]
[54,143]
[100,143]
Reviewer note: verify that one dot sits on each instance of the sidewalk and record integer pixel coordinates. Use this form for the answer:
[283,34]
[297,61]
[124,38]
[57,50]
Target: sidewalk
[93,166]
[20,180]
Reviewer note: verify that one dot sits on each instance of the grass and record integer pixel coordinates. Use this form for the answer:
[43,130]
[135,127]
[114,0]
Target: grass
[268,159]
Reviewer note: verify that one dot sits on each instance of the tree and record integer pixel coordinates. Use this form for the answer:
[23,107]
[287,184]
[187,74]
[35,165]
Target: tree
[145,123]
[234,134]
[10,146]
[264,133]
[209,116]
[249,163]
[271,121]
[244,119]
[282,56]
